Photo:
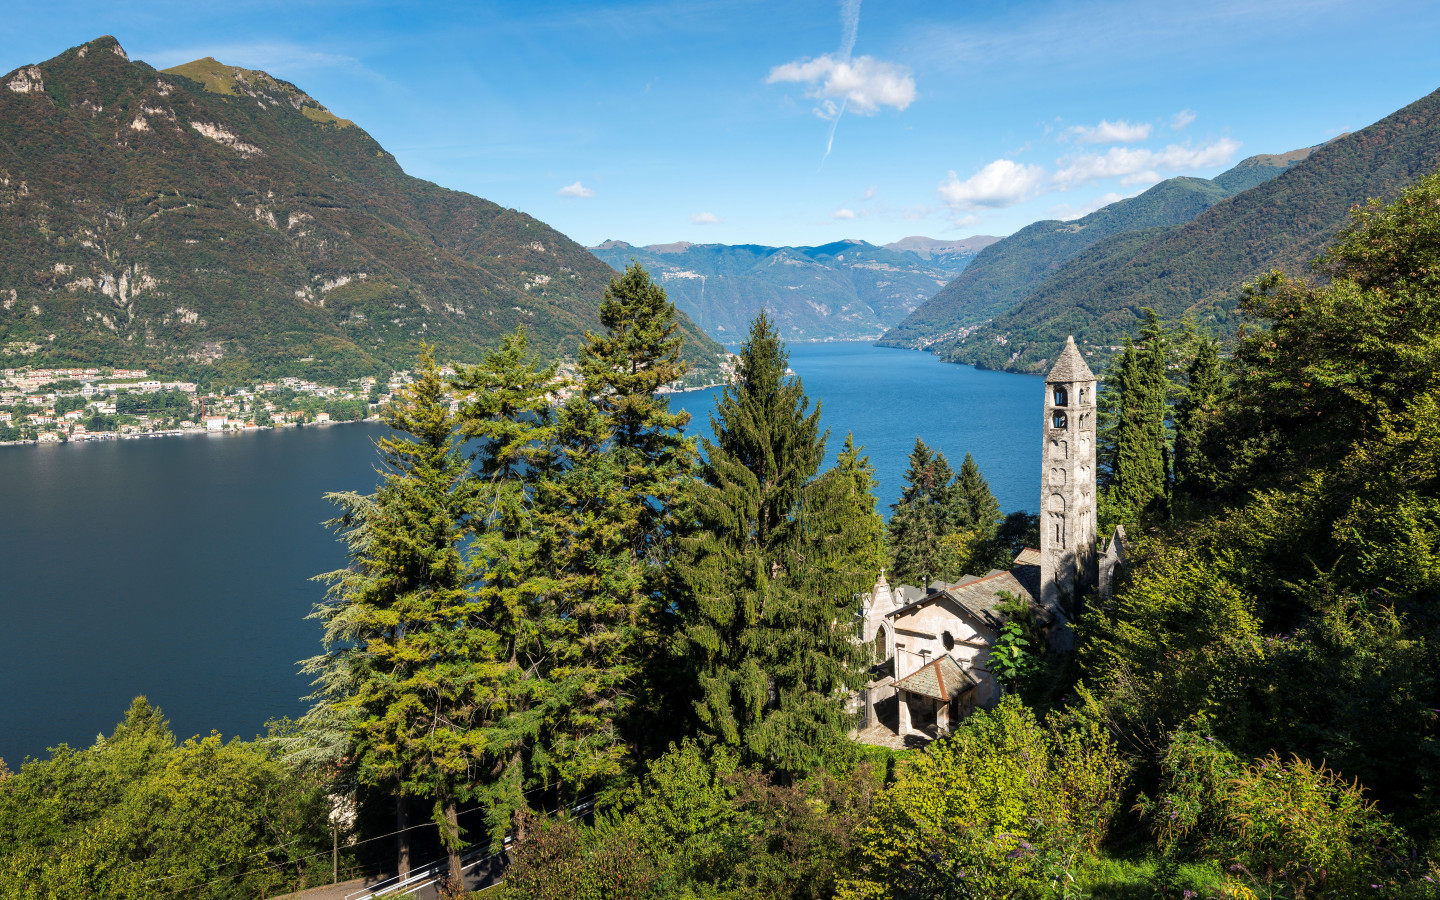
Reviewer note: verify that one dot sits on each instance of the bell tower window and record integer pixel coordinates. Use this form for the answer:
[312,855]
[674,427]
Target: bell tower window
[1058,420]
[1060,396]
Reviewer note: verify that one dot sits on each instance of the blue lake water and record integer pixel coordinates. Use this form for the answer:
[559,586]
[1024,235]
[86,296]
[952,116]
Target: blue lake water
[179,567]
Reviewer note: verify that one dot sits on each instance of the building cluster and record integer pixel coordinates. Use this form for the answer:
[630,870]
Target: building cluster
[55,405]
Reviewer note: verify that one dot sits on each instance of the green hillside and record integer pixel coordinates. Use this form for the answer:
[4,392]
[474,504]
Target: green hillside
[845,290]
[1006,272]
[1196,270]
[219,223]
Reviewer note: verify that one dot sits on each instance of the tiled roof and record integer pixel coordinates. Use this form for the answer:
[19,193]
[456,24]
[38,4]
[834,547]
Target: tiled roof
[942,679]
[979,597]
[1070,366]
[1028,557]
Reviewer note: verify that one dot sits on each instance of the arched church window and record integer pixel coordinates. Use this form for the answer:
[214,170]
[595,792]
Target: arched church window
[1059,449]
[1060,397]
[1057,525]
[1082,396]
[948,640]
[1057,503]
[1058,420]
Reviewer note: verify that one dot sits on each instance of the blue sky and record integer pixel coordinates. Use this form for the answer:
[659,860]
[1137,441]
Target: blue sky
[711,121]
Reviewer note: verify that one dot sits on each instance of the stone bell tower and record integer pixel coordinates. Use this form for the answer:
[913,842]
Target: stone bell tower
[1067,481]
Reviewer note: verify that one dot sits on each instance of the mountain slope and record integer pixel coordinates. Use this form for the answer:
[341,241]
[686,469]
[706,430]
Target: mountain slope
[218,222]
[846,290]
[1197,269]
[1006,273]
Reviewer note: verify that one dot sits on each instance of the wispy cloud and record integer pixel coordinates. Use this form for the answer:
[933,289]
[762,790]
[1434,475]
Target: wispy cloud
[999,184]
[705,218]
[843,214]
[576,190]
[1107,132]
[1181,119]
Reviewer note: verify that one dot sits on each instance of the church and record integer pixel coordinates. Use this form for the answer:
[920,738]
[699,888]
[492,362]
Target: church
[931,645]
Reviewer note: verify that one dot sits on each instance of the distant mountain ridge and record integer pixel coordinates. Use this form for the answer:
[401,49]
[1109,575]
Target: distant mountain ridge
[218,222]
[1006,272]
[845,290]
[1195,270]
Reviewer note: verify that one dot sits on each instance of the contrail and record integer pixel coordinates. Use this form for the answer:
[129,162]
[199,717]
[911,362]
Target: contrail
[849,30]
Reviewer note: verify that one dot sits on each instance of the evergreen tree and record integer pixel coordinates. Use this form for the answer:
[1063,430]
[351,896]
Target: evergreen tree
[507,416]
[1195,475]
[604,518]
[928,510]
[765,579]
[1138,469]
[402,662]
[973,494]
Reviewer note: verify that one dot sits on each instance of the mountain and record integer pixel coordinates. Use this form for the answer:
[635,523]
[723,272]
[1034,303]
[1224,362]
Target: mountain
[846,290]
[219,223]
[1196,270]
[1006,272]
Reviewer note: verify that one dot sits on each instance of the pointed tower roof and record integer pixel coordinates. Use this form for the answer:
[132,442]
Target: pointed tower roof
[1071,365]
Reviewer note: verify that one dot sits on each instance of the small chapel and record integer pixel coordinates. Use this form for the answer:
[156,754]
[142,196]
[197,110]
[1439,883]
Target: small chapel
[931,644]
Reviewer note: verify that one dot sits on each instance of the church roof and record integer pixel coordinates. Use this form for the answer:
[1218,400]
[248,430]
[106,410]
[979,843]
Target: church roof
[1070,366]
[942,679]
[980,598]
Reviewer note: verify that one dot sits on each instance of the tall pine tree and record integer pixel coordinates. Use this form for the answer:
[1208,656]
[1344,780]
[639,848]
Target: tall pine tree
[402,660]
[1195,475]
[618,459]
[764,580]
[929,510]
[1138,469]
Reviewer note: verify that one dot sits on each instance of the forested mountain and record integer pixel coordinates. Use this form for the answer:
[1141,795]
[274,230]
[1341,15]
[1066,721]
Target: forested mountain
[1007,272]
[218,222]
[845,290]
[1196,269]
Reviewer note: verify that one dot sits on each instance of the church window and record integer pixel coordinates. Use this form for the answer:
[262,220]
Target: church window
[1057,503]
[1060,397]
[1057,477]
[948,640]
[1059,449]
[1058,420]
[1057,525]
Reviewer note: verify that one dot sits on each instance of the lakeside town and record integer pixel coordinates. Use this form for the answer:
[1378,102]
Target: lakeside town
[63,405]
[50,406]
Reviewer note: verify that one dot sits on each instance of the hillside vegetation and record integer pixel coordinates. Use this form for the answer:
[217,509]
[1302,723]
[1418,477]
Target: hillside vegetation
[215,222]
[846,290]
[1005,273]
[1196,270]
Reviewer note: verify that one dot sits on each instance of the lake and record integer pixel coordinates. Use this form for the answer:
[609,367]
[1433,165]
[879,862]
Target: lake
[179,567]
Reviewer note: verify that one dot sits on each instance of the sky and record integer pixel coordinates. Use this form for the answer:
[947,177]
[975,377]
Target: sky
[799,123]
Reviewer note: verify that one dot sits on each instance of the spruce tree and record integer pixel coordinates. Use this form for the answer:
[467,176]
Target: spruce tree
[1195,474]
[972,492]
[1138,473]
[603,520]
[928,510]
[400,671]
[507,418]
[764,583]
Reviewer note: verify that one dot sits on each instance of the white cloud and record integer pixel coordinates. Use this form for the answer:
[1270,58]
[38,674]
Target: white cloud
[870,192]
[843,214]
[864,85]
[575,190]
[1181,119]
[1120,162]
[706,218]
[1001,183]
[1107,132]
